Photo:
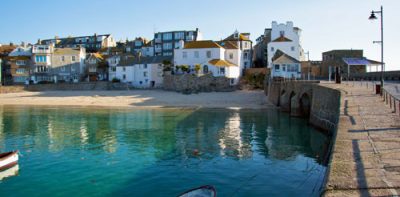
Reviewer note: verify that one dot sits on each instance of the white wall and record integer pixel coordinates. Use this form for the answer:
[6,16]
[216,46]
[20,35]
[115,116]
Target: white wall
[135,75]
[216,53]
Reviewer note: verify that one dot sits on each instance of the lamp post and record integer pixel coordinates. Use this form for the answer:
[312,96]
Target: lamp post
[373,17]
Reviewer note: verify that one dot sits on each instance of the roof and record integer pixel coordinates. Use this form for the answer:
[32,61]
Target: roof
[359,61]
[242,37]
[221,63]
[62,51]
[7,48]
[96,55]
[283,58]
[228,44]
[201,44]
[282,39]
[70,37]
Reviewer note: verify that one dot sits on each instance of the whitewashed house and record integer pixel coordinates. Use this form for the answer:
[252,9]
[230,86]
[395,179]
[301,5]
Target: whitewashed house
[286,39]
[113,62]
[142,72]
[242,42]
[211,57]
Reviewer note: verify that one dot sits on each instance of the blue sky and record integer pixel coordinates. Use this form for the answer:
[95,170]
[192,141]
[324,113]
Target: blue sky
[326,25]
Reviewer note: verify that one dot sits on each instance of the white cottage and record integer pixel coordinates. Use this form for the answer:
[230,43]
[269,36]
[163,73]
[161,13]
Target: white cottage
[142,72]
[209,56]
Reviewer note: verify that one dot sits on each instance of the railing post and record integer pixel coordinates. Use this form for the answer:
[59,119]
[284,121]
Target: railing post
[390,101]
[394,105]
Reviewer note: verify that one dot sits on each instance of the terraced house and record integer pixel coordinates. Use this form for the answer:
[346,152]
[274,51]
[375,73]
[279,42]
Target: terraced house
[20,64]
[67,64]
[91,43]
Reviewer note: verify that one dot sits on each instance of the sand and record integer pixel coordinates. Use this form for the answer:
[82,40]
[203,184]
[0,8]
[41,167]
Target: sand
[139,98]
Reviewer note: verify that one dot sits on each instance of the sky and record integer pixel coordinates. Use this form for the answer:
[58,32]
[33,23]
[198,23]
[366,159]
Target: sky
[326,24]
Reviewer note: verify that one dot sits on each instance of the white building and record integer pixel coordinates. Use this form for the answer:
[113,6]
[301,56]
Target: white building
[242,42]
[211,57]
[141,72]
[113,62]
[285,38]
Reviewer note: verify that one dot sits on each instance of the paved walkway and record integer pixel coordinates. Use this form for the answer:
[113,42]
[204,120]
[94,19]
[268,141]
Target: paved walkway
[366,154]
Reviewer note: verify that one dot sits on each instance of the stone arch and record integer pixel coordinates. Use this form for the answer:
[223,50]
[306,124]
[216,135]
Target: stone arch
[281,96]
[305,104]
[291,97]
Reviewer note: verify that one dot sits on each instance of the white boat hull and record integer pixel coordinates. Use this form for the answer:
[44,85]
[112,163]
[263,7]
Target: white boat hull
[8,161]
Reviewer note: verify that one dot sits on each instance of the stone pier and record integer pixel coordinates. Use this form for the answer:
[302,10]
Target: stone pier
[365,158]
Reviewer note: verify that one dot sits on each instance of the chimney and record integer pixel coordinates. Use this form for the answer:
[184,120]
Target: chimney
[39,41]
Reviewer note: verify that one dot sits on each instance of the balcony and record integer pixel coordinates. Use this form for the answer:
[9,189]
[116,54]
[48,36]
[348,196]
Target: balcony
[41,69]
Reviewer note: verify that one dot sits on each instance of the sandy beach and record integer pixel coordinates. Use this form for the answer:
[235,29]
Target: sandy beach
[139,98]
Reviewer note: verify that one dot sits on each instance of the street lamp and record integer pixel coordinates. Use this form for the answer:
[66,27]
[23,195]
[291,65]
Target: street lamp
[373,17]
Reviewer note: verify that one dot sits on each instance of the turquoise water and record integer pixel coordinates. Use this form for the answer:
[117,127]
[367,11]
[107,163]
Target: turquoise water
[118,152]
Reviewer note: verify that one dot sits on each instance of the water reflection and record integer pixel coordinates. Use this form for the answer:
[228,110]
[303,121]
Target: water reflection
[236,134]
[125,150]
[13,171]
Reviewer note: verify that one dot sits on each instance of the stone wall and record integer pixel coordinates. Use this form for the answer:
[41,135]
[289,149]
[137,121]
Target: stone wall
[78,86]
[325,108]
[188,83]
[308,99]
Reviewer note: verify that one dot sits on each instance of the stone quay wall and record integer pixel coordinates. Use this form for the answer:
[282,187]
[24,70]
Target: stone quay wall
[188,83]
[83,86]
[321,105]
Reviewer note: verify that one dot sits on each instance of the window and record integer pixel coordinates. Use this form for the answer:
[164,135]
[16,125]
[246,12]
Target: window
[245,64]
[41,58]
[123,76]
[145,66]
[196,54]
[246,55]
[208,54]
[230,55]
[222,71]
[277,67]
[292,48]
[167,46]
[20,71]
[63,68]
[282,33]
[272,49]
[144,74]
[184,55]
[123,69]
[179,35]
[62,58]
[138,43]
[246,45]
[167,36]
[20,62]
[205,69]
[284,67]
[73,58]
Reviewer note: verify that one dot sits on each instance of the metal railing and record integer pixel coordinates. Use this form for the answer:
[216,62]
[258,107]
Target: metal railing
[388,97]
[391,100]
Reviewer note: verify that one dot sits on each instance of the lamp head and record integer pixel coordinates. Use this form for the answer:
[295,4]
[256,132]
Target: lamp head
[372,17]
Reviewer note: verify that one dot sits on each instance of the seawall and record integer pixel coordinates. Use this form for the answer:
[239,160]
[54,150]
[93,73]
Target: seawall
[309,99]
